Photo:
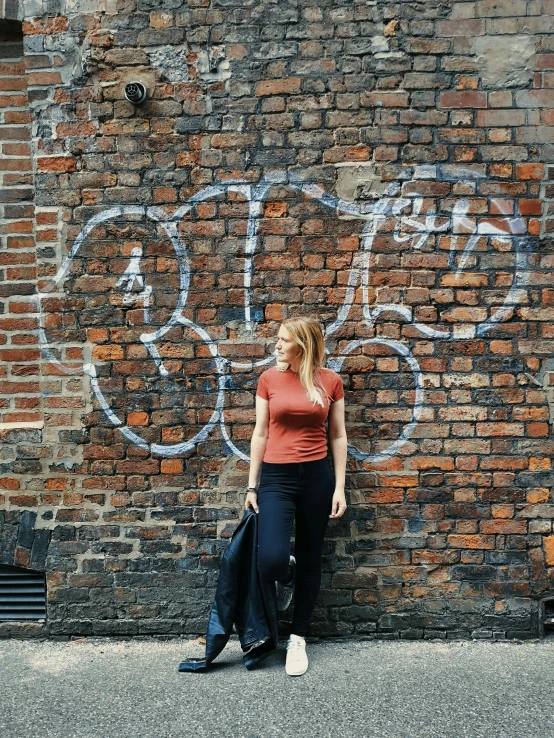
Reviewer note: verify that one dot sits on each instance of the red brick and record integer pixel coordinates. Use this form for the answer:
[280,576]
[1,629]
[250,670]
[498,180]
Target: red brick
[545,61]
[289,86]
[538,430]
[36,26]
[500,429]
[56,484]
[9,69]
[385,99]
[138,418]
[530,171]
[530,207]
[16,117]
[548,543]
[275,312]
[46,218]
[275,210]
[58,402]
[501,118]
[171,466]
[12,101]
[20,273]
[463,99]
[43,78]
[57,164]
[18,324]
[503,527]
[464,279]
[16,149]
[471,541]
[21,417]
[20,242]
[11,84]
[24,500]
[17,257]
[22,308]
[233,140]
[19,354]
[10,133]
[357,153]
[77,129]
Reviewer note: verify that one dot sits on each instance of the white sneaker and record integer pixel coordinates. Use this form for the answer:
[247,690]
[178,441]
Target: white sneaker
[297,660]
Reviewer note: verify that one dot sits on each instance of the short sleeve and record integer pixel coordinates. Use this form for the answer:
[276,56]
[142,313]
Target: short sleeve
[262,390]
[338,389]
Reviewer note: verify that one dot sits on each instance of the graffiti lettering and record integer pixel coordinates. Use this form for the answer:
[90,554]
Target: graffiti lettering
[410,221]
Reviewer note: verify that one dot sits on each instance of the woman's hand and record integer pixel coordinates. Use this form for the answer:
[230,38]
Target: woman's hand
[251,501]
[338,506]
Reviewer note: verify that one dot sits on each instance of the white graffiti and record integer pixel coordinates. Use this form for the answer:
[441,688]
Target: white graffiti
[413,225]
[131,276]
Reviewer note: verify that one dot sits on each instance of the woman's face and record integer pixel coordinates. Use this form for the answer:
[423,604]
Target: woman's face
[286,349]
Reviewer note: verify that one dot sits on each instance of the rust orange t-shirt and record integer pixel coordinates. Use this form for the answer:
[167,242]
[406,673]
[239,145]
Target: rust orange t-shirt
[296,424]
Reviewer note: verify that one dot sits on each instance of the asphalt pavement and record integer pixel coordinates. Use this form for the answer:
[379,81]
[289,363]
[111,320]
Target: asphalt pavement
[107,688]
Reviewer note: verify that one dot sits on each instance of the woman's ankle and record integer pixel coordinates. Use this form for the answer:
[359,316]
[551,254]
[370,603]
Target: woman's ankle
[295,635]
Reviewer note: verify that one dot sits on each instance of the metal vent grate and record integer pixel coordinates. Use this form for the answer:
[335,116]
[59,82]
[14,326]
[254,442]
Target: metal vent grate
[22,594]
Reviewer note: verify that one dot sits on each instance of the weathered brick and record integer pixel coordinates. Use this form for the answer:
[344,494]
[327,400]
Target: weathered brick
[386,98]
[464,99]
[461,27]
[493,8]
[534,98]
[313,96]
[46,26]
[530,171]
[482,542]
[289,86]
[57,164]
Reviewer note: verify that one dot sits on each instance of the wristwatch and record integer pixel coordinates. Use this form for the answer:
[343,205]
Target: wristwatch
[251,489]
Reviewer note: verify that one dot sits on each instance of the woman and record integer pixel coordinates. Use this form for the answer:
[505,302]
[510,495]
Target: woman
[289,448]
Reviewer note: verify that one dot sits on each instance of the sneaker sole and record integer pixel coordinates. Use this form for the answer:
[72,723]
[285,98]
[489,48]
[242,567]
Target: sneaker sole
[296,673]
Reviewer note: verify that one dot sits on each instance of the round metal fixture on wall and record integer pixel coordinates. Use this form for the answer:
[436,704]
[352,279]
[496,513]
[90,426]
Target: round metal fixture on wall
[135,92]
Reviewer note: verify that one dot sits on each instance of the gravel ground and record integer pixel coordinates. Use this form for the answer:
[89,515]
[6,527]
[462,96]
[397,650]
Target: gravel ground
[104,688]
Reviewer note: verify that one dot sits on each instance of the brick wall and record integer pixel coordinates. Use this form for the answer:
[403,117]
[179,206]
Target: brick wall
[382,165]
[19,354]
[21,417]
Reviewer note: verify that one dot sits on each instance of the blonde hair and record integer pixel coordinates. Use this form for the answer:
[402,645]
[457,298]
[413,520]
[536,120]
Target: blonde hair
[307,333]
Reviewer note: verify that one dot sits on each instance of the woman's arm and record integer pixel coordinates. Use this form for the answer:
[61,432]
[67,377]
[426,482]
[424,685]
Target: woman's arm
[339,449]
[258,444]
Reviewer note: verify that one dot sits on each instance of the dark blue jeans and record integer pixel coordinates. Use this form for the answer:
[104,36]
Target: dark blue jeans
[303,492]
